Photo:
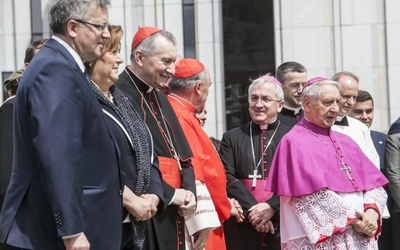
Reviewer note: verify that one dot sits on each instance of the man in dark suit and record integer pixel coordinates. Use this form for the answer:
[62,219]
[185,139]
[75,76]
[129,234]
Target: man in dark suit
[364,112]
[65,188]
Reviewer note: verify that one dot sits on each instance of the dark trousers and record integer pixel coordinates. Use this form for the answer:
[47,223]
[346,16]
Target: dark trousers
[385,240]
[243,236]
[396,230]
[7,247]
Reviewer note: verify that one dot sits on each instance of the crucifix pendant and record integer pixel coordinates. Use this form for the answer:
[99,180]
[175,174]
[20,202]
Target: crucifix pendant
[346,169]
[254,176]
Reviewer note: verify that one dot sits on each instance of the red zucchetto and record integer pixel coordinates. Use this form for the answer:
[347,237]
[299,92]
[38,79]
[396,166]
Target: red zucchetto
[188,67]
[143,33]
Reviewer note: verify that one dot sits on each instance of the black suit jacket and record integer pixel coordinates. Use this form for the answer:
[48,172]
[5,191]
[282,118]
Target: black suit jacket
[66,176]
[6,150]
[6,145]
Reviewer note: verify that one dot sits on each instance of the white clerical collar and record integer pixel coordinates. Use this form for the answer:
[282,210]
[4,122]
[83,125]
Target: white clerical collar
[295,110]
[339,118]
[150,87]
[265,126]
[73,52]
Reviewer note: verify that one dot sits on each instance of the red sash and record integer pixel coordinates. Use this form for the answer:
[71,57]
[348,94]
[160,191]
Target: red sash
[259,192]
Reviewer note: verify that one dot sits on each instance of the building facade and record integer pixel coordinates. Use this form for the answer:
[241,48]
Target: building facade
[239,40]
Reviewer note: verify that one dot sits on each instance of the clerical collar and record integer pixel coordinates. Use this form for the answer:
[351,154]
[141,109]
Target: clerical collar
[341,121]
[269,126]
[290,111]
[142,85]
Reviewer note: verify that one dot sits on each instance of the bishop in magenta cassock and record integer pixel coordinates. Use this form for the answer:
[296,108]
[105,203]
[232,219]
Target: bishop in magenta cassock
[247,152]
[331,193]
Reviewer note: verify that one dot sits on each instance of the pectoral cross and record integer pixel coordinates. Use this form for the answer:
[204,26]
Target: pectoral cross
[346,169]
[254,176]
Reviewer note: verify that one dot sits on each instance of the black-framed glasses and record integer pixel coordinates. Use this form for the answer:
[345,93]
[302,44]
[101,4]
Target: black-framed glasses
[99,26]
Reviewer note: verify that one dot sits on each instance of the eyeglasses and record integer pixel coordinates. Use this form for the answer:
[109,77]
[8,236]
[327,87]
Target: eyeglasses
[99,26]
[264,100]
[296,85]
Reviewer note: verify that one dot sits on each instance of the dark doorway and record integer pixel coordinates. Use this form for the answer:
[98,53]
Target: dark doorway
[249,51]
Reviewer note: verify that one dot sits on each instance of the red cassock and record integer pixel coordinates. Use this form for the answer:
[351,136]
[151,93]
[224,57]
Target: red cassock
[207,165]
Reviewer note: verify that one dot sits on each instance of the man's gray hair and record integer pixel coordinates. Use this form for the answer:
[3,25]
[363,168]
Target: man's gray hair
[147,46]
[179,84]
[62,11]
[314,91]
[265,80]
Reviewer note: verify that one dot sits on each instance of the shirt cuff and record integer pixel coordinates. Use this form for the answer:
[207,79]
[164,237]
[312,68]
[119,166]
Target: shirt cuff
[66,237]
[172,199]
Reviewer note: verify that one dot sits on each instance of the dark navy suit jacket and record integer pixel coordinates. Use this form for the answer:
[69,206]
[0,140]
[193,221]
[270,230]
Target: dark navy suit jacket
[66,176]
[379,140]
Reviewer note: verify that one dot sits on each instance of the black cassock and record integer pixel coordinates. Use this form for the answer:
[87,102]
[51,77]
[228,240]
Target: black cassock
[290,117]
[166,230]
[236,154]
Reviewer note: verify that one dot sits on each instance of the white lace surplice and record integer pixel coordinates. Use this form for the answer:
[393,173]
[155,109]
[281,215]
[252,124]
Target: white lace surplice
[305,219]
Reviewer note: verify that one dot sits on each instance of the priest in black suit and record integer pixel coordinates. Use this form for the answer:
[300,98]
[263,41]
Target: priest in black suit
[292,75]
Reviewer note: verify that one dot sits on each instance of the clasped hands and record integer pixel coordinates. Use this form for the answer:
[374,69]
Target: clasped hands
[185,200]
[140,207]
[366,222]
[260,217]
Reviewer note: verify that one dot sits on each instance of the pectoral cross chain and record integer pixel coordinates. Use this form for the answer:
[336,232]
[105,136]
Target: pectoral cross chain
[254,176]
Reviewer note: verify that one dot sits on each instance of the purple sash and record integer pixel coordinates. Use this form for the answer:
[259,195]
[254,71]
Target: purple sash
[259,192]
